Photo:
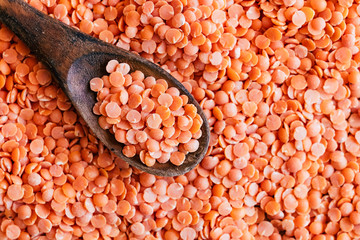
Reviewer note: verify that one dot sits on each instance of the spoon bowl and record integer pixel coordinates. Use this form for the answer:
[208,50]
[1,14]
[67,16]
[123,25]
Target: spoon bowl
[75,58]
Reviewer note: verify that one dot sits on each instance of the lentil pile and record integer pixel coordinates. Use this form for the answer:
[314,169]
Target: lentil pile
[150,118]
[279,83]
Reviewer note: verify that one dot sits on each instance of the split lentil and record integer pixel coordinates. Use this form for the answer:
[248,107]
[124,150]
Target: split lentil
[152,120]
[279,83]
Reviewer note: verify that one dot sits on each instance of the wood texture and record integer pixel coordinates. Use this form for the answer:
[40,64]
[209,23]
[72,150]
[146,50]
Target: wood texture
[75,58]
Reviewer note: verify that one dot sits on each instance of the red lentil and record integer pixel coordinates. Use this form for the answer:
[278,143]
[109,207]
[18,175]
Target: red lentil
[278,82]
[145,108]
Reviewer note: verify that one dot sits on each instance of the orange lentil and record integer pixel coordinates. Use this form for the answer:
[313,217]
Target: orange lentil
[272,208]
[318,6]
[148,123]
[274,34]
[15,192]
[278,83]
[12,231]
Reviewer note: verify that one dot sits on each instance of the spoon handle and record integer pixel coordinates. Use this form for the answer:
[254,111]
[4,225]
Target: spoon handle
[52,41]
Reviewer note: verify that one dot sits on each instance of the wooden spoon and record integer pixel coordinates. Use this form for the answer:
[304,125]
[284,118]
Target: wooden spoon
[75,58]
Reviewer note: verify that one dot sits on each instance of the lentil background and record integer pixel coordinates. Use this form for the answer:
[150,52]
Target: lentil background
[279,82]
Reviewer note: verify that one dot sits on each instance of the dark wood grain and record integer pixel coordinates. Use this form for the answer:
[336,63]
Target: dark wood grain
[75,58]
